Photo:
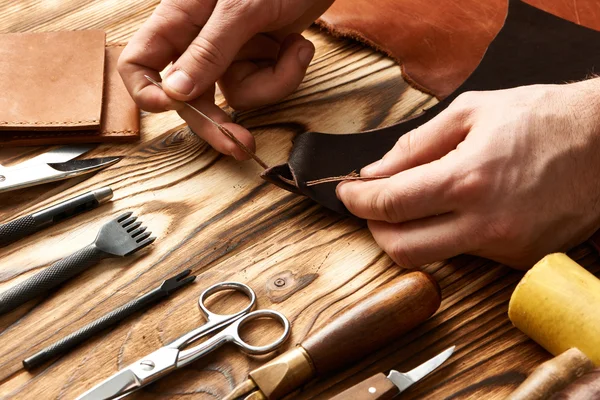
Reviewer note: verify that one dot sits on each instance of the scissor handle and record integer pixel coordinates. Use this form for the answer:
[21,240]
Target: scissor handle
[231,333]
[220,287]
[234,331]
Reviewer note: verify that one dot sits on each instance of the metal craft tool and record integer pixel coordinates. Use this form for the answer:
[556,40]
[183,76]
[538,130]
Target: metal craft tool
[62,346]
[224,328]
[54,165]
[381,387]
[117,238]
[361,329]
[29,224]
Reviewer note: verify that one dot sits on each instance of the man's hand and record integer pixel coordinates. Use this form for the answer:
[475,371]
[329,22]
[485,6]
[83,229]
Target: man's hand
[252,47]
[508,175]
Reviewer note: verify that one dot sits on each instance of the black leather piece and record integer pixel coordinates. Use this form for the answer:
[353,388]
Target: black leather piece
[533,47]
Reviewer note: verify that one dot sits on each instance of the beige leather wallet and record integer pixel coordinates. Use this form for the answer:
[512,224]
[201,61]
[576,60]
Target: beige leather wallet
[63,87]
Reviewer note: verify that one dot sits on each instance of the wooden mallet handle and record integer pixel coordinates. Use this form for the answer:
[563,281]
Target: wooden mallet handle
[373,322]
[553,375]
[585,388]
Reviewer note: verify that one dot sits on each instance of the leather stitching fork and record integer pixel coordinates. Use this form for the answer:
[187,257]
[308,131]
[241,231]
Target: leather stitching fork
[118,238]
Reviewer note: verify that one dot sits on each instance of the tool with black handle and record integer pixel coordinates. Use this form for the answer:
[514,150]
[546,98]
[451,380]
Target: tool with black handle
[361,329]
[62,346]
[29,224]
[117,238]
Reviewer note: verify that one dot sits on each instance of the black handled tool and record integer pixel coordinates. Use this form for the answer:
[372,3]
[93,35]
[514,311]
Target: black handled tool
[29,224]
[62,346]
[117,238]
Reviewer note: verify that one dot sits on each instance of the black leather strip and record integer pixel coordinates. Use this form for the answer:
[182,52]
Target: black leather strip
[533,47]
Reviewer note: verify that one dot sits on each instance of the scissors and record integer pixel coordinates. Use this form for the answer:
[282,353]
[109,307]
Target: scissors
[172,356]
[53,165]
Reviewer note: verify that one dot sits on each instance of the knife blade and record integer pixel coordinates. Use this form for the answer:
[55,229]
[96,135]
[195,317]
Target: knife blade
[43,173]
[56,155]
[381,387]
[404,380]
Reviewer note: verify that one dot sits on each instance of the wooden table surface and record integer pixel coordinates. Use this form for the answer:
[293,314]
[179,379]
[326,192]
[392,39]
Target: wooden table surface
[217,217]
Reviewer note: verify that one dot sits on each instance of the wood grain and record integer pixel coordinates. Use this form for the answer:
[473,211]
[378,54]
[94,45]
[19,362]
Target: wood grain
[217,217]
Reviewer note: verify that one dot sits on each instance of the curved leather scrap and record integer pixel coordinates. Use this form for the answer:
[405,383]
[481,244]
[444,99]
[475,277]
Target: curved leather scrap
[533,47]
[438,43]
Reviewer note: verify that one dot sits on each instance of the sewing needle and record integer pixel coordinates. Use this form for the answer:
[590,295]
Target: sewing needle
[221,128]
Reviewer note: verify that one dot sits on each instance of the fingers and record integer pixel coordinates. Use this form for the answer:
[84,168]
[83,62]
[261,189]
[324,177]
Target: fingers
[207,131]
[416,243]
[419,192]
[429,142]
[260,48]
[247,85]
[160,40]
[231,24]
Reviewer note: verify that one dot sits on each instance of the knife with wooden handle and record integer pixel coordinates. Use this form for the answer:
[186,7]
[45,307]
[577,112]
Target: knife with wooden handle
[358,331]
[381,387]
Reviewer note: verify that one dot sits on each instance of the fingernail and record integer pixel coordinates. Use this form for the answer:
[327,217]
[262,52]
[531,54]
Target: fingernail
[371,168]
[180,82]
[305,55]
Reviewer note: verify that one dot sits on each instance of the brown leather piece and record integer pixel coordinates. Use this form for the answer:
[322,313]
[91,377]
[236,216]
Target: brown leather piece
[582,12]
[51,80]
[438,43]
[120,115]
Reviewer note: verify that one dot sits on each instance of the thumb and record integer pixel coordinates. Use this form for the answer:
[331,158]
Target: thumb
[429,142]
[231,24]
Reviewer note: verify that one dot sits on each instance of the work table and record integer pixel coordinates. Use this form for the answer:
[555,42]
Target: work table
[217,217]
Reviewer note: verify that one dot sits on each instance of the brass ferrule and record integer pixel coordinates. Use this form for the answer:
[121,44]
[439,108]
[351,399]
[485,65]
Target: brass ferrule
[284,374]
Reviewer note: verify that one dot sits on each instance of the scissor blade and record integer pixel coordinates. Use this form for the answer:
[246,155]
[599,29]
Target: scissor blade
[405,380]
[114,387]
[57,155]
[44,173]
[142,372]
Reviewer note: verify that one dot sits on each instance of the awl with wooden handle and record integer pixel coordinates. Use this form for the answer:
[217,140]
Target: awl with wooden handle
[358,331]
[381,387]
